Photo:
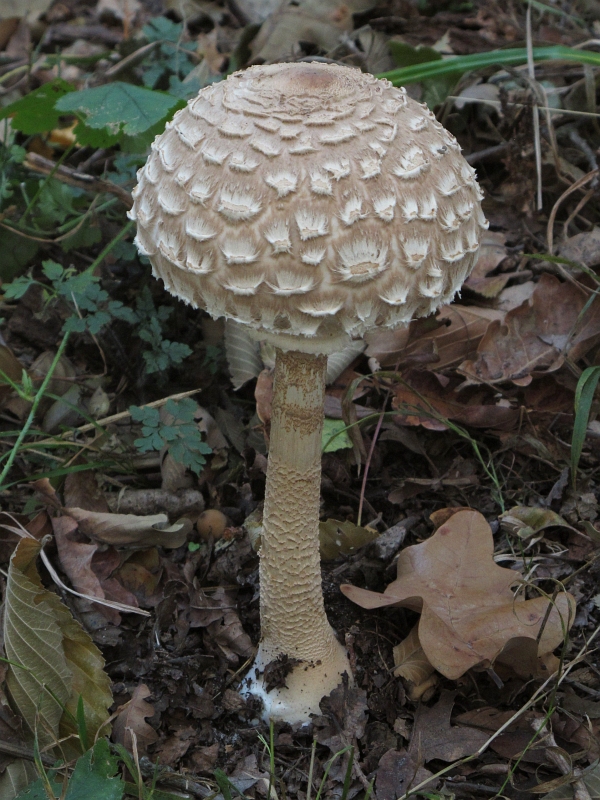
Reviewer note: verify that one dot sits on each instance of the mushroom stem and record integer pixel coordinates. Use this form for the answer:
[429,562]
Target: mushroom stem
[292,609]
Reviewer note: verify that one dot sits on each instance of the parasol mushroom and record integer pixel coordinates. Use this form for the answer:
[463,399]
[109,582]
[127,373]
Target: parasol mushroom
[310,202]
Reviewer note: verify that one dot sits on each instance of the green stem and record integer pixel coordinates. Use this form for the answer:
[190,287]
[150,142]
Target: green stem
[34,406]
[109,246]
[43,183]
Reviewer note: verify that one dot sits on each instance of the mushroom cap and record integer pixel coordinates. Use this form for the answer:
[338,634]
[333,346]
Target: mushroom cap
[309,201]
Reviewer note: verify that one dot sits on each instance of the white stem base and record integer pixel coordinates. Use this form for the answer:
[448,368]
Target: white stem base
[305,686]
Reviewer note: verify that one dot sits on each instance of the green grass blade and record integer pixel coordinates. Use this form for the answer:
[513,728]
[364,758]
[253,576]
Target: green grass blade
[510,56]
[584,396]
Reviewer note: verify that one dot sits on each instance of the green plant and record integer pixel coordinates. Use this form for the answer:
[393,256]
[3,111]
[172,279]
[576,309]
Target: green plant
[163,353]
[584,397]
[457,65]
[171,58]
[93,778]
[181,435]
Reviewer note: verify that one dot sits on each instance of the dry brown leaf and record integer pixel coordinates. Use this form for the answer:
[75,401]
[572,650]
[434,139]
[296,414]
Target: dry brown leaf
[492,253]
[468,612]
[129,530]
[422,395]
[82,491]
[320,22]
[434,737]
[410,661]
[456,333]
[516,740]
[263,395]
[132,718]
[583,248]
[76,560]
[231,638]
[527,521]
[397,772]
[537,336]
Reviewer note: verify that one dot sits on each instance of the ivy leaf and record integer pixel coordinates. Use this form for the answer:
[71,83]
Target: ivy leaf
[120,108]
[36,112]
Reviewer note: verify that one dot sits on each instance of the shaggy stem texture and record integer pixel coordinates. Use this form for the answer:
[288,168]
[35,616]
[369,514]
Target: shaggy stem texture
[292,611]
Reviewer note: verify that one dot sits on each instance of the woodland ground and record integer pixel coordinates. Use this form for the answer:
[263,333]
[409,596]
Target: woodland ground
[477,409]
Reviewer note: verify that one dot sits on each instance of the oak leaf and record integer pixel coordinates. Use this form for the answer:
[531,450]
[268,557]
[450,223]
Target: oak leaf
[468,611]
[131,719]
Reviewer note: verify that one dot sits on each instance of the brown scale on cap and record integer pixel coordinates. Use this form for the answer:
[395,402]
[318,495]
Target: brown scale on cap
[310,200]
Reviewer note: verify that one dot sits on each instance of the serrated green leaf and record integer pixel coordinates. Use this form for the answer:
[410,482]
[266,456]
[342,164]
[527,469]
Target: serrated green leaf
[59,662]
[120,108]
[92,779]
[35,112]
[93,776]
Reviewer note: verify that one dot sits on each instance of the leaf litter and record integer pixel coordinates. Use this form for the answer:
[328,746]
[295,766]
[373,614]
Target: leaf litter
[481,403]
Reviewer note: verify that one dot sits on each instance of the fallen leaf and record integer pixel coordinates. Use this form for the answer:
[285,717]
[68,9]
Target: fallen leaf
[434,737]
[468,611]
[320,22]
[423,400]
[129,530]
[492,252]
[342,538]
[583,248]
[132,718]
[76,560]
[537,336]
[516,739]
[410,661]
[397,773]
[344,717]
[61,661]
[175,746]
[455,335]
[230,636]
[527,521]
[82,491]
[204,759]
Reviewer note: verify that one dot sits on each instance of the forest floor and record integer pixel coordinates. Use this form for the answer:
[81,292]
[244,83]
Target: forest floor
[490,406]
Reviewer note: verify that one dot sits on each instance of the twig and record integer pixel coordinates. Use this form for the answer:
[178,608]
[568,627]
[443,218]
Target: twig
[22,751]
[81,180]
[573,188]
[89,426]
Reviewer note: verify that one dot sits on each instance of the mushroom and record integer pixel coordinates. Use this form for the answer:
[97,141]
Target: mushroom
[309,202]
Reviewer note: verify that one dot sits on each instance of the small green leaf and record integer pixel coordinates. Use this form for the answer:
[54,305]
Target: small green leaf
[18,287]
[92,779]
[584,396]
[335,436]
[52,270]
[406,56]
[17,252]
[120,108]
[35,112]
